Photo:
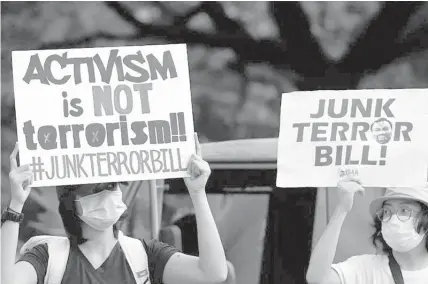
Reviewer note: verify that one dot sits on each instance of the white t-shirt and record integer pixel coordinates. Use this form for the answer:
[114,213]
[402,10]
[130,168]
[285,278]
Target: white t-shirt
[374,269]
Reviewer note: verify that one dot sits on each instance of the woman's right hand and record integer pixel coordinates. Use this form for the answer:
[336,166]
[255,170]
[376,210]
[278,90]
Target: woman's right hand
[20,181]
[347,189]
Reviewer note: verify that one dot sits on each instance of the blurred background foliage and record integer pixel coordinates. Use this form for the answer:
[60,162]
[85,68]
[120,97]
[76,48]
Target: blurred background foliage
[242,55]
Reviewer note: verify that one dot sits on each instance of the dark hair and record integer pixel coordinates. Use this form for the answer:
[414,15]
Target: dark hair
[188,227]
[377,237]
[380,120]
[71,221]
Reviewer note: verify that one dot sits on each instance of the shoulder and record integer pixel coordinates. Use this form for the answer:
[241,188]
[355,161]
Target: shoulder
[156,249]
[39,252]
[369,259]
[158,254]
[366,260]
[38,257]
[361,267]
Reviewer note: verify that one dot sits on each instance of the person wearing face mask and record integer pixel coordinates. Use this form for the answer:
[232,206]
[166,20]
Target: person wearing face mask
[401,229]
[97,252]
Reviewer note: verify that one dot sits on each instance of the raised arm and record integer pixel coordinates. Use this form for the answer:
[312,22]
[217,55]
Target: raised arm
[20,181]
[210,266]
[320,271]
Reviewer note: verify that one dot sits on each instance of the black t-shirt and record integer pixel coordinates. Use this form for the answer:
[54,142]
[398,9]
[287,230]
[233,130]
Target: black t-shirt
[114,270]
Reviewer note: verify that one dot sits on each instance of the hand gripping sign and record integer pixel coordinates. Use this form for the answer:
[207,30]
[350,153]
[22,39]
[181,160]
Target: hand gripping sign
[377,135]
[104,114]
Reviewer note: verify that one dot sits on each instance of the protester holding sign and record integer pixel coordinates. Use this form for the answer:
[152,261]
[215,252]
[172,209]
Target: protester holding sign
[401,226]
[98,251]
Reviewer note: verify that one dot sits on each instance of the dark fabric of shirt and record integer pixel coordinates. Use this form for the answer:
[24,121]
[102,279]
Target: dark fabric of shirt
[114,270]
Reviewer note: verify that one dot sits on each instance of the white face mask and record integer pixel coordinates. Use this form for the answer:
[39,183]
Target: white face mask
[401,236]
[102,210]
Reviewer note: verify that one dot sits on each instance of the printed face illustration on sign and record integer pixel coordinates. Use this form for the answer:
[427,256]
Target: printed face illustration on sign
[382,130]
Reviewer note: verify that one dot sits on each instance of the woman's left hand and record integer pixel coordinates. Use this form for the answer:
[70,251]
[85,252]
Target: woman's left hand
[199,171]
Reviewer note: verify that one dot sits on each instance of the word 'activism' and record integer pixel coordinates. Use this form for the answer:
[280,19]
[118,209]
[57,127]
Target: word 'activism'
[74,67]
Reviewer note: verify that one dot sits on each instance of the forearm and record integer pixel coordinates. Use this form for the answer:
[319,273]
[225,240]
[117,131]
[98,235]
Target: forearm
[9,242]
[212,259]
[323,254]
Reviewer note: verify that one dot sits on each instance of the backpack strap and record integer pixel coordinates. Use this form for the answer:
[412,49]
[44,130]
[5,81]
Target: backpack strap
[395,270]
[58,250]
[136,256]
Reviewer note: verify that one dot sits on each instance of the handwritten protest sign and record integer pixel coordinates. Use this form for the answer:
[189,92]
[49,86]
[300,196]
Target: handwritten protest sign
[103,114]
[377,135]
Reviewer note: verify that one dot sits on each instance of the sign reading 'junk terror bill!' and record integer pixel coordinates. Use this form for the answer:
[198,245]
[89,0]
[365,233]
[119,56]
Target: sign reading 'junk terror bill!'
[104,114]
[377,135]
